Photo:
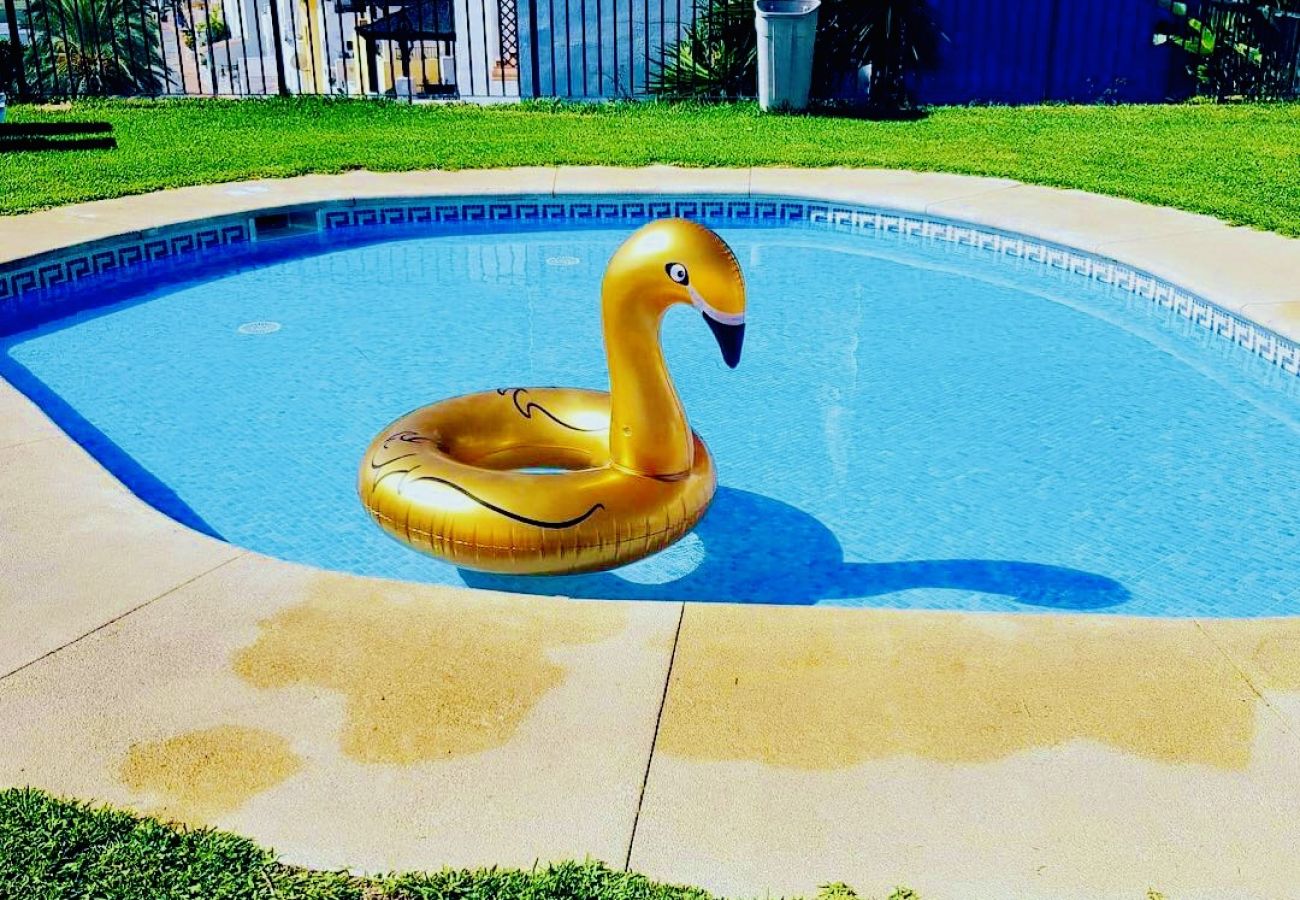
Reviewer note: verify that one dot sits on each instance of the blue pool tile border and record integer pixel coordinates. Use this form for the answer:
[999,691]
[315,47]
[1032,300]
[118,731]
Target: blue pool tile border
[577,209]
[47,287]
[53,285]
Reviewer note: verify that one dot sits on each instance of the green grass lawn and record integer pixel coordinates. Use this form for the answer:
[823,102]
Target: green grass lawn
[53,849]
[1238,162]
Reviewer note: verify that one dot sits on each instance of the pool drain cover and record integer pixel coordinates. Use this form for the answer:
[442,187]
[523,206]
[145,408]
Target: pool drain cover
[258,328]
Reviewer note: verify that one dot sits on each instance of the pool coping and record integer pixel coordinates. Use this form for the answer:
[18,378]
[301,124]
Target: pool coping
[72,598]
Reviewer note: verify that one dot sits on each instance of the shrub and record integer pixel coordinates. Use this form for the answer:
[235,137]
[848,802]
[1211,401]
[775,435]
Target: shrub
[1236,50]
[894,37]
[715,58]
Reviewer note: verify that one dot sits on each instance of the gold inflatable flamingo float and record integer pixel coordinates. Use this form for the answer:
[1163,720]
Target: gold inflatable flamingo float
[459,480]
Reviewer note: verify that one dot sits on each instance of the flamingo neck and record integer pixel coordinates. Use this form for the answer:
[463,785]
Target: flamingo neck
[648,431]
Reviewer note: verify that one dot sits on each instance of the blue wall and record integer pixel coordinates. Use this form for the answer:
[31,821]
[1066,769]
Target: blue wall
[1028,51]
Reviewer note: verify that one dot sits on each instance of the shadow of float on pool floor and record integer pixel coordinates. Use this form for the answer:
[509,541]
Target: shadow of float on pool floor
[753,549]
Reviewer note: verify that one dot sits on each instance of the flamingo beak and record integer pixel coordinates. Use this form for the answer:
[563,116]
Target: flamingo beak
[730,338]
[728,328]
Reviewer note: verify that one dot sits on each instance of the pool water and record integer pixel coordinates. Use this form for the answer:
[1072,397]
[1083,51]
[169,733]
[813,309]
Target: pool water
[911,425]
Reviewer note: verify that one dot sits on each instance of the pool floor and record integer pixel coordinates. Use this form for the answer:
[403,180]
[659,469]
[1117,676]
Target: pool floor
[910,426]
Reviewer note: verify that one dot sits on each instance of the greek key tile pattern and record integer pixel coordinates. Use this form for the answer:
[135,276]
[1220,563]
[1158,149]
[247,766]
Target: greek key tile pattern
[34,291]
[38,289]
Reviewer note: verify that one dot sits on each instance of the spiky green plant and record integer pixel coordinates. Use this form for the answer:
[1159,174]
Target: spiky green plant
[715,58]
[95,47]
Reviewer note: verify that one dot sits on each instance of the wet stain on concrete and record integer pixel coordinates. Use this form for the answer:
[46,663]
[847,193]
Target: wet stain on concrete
[202,774]
[423,677]
[819,689]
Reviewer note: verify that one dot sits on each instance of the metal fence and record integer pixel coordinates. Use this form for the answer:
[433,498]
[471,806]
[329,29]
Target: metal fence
[599,48]
[1007,51]
[471,49]
[428,48]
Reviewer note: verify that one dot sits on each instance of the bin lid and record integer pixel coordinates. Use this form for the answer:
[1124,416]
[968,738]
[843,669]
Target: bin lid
[785,7]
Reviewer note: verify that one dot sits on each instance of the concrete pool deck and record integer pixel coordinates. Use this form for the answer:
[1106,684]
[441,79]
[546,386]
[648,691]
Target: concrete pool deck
[751,750]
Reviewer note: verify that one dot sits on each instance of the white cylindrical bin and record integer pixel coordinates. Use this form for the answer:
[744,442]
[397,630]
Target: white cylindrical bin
[787,30]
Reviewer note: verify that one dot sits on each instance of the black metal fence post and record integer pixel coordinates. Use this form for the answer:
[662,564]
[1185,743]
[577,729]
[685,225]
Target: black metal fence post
[278,41]
[16,48]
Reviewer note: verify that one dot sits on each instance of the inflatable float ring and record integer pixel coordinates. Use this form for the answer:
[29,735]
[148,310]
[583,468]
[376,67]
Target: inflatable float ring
[459,480]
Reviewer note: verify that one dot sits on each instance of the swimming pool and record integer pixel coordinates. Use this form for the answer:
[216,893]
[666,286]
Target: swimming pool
[916,423]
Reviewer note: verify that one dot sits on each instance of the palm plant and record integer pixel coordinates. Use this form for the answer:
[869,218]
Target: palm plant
[715,58]
[96,46]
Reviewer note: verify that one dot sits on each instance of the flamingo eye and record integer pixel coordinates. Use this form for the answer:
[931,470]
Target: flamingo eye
[677,272]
